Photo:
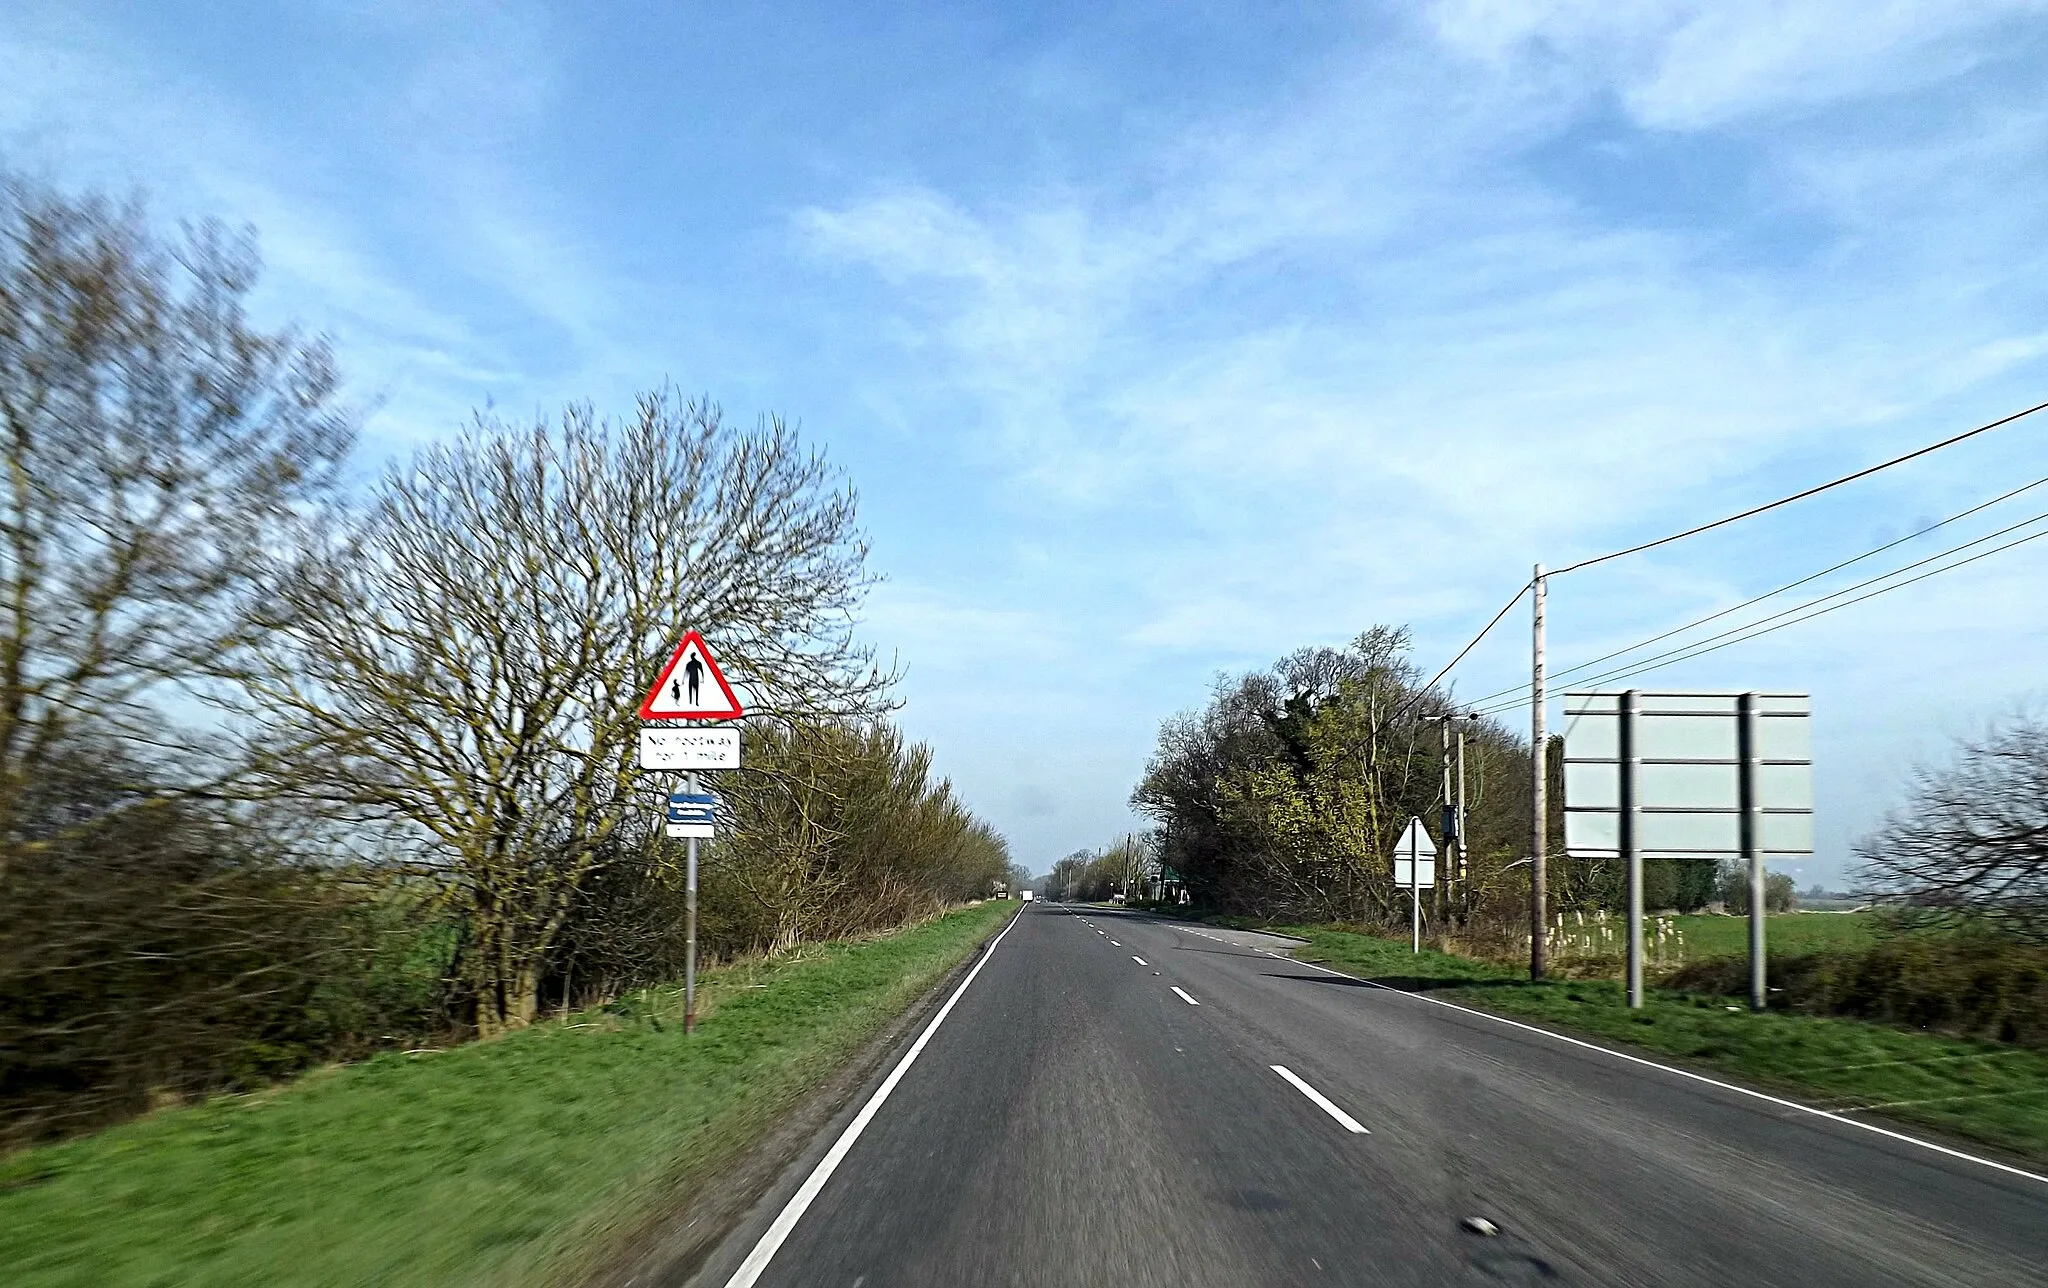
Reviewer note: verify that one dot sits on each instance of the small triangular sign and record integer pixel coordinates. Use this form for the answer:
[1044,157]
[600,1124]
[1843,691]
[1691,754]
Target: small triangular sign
[1415,843]
[690,687]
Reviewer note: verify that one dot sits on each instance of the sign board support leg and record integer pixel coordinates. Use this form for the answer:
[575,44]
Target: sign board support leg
[1631,846]
[1752,848]
[1415,903]
[690,927]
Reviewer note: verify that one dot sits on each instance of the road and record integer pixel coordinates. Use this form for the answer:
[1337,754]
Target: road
[1100,1105]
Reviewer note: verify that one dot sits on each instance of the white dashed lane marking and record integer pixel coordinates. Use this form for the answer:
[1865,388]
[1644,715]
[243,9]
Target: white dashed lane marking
[1322,1101]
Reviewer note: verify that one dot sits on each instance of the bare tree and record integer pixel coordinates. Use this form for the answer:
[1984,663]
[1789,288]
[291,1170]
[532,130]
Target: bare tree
[161,452]
[1973,837]
[468,662]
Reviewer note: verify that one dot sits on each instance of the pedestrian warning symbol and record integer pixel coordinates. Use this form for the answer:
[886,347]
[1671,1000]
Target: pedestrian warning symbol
[690,686]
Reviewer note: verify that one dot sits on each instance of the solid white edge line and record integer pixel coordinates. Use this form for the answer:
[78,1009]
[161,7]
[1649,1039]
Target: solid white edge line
[771,1242]
[1141,961]
[1183,995]
[1322,1101]
[1696,1077]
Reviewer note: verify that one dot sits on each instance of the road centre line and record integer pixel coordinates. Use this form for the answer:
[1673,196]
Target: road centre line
[1322,1101]
[757,1261]
[1184,995]
[1686,1073]
[1141,961]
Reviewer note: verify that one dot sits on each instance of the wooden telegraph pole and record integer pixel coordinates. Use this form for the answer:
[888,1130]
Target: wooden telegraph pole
[1539,785]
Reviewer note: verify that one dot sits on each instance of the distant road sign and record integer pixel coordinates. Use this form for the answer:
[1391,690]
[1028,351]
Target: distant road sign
[1415,848]
[690,686]
[682,747]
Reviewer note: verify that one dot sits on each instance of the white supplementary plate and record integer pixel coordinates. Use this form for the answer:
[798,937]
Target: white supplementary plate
[681,747]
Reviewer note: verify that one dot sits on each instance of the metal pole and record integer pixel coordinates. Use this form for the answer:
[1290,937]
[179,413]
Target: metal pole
[1752,849]
[1631,846]
[1415,894]
[690,925]
[1539,784]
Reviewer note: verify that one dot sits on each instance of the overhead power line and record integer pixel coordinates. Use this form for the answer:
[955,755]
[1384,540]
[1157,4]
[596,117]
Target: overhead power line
[1793,585]
[1753,630]
[1753,511]
[1801,496]
[1470,644]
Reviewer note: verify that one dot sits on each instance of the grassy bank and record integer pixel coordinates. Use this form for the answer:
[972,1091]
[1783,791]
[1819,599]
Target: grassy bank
[1986,1091]
[504,1163]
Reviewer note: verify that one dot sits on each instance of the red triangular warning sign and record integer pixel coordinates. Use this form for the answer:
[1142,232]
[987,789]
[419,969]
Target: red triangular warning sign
[690,687]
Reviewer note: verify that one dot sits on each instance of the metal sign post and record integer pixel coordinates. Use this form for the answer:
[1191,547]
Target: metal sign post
[690,687]
[1415,867]
[690,922]
[1752,847]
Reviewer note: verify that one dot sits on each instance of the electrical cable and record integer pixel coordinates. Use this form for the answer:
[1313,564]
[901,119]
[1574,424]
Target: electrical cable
[1790,585]
[1740,638]
[1801,496]
[1642,663]
[1822,612]
[1718,523]
[1473,643]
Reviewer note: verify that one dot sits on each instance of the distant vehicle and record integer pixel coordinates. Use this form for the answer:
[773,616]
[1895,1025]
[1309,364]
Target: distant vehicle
[1026,895]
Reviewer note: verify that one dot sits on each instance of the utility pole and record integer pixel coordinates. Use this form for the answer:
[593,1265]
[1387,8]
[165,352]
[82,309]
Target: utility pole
[1631,843]
[1448,824]
[1464,889]
[1539,785]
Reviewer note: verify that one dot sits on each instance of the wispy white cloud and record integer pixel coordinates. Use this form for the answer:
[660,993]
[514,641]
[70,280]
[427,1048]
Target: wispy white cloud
[1695,64]
[1356,358]
[1352,338]
[374,206]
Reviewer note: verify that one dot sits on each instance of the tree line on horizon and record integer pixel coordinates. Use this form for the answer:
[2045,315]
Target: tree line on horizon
[1285,795]
[294,767]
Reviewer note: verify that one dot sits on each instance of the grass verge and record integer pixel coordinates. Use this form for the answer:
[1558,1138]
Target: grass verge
[510,1162]
[1990,1092]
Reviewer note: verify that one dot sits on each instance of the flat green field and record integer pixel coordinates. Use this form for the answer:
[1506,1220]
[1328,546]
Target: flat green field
[1989,1092]
[512,1162]
[1790,932]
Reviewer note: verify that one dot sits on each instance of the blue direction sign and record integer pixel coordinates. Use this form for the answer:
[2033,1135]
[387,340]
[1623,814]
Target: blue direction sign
[691,807]
[691,813]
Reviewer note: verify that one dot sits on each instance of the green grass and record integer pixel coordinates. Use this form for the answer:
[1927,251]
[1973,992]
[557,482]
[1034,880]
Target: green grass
[511,1162]
[1595,945]
[1985,1091]
[1792,932]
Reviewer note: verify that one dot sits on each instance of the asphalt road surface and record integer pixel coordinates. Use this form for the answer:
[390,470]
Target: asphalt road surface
[1101,1105]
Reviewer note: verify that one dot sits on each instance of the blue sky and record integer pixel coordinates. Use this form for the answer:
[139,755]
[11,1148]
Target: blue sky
[1161,339]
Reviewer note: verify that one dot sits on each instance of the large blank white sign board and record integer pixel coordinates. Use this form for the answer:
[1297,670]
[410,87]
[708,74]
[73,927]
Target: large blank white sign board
[1688,774]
